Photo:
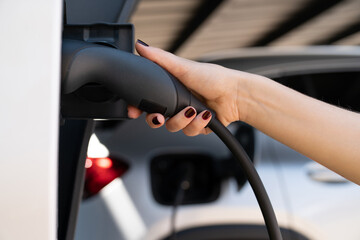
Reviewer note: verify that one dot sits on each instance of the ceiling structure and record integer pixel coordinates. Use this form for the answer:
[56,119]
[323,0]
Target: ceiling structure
[192,28]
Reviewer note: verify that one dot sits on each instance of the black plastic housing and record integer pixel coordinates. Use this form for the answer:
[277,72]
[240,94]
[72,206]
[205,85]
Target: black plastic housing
[95,101]
[95,66]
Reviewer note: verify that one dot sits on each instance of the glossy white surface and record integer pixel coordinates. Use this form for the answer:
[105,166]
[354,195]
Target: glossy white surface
[30,46]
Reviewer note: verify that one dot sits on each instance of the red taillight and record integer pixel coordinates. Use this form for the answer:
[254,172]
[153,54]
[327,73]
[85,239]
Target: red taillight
[100,172]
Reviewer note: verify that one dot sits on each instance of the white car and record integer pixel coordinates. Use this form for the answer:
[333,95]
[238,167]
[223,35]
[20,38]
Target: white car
[177,187]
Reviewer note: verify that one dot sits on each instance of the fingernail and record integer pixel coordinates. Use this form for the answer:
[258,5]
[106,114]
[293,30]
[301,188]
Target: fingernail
[155,121]
[189,113]
[142,43]
[206,115]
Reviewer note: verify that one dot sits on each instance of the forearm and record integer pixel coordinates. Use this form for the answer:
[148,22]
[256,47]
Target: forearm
[322,132]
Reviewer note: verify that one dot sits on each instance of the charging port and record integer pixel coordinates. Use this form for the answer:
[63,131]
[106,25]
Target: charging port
[197,170]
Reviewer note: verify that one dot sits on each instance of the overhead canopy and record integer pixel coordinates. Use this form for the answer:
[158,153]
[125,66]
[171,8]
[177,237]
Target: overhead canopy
[191,28]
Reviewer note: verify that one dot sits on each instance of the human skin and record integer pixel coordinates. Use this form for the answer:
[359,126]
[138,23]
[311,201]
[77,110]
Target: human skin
[325,133]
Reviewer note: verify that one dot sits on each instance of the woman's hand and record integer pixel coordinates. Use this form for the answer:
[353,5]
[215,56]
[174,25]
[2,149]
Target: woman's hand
[216,86]
[325,133]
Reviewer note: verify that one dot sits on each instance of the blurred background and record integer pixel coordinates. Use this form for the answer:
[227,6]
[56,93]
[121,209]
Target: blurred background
[266,37]
[191,28]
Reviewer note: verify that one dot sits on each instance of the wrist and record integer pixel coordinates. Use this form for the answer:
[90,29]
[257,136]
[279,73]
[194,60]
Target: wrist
[242,95]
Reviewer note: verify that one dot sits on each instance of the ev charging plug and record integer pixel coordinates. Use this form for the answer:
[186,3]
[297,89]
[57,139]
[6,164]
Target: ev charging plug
[147,86]
[137,80]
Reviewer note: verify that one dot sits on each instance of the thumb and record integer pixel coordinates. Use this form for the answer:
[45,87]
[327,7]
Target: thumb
[177,66]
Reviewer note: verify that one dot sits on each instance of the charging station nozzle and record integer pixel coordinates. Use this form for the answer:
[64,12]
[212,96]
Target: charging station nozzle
[147,86]
[137,80]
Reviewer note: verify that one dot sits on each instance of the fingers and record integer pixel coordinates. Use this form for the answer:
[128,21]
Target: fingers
[186,120]
[155,120]
[189,123]
[177,66]
[207,80]
[181,119]
[198,124]
[133,112]
[207,76]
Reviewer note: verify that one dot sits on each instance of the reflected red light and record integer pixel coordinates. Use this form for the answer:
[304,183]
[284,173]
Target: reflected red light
[88,163]
[104,162]
[100,172]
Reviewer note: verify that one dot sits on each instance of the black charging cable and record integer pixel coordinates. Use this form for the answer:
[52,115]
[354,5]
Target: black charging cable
[183,186]
[259,190]
[80,60]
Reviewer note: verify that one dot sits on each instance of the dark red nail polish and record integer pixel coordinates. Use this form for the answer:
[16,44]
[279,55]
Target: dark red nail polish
[142,43]
[155,121]
[206,115]
[189,113]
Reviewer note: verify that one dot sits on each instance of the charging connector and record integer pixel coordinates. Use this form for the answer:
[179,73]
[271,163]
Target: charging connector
[143,84]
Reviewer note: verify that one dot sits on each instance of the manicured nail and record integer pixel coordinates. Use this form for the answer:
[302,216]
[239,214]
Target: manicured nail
[155,121]
[142,43]
[206,115]
[189,113]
